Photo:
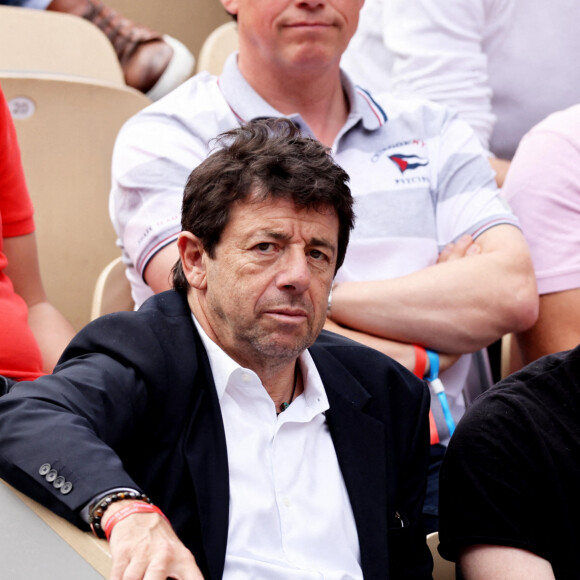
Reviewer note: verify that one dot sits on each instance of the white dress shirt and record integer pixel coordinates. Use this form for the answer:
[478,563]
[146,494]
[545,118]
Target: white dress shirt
[290,514]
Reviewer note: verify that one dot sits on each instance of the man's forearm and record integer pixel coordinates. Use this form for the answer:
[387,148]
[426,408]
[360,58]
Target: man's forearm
[402,352]
[481,562]
[52,332]
[158,271]
[456,307]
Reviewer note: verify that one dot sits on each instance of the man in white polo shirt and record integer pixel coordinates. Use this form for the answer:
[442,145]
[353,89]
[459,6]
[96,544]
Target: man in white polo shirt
[419,177]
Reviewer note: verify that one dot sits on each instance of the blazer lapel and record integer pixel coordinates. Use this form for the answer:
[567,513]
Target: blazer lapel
[206,455]
[359,440]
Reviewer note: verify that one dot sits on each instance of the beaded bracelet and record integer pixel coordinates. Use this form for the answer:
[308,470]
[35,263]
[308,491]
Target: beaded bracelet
[98,508]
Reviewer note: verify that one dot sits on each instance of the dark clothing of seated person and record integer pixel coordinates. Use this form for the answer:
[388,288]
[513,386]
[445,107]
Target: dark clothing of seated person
[509,503]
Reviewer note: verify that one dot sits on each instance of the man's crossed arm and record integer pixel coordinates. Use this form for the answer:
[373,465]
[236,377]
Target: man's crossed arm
[476,292]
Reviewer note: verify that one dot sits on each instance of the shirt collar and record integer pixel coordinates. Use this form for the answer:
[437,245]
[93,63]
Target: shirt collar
[223,366]
[247,104]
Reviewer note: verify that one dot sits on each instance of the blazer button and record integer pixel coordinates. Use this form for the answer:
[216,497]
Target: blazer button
[51,475]
[44,468]
[59,482]
[66,488]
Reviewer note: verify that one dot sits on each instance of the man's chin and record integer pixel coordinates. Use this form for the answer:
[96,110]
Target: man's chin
[285,347]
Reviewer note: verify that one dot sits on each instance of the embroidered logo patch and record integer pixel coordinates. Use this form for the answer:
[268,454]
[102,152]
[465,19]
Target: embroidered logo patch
[404,162]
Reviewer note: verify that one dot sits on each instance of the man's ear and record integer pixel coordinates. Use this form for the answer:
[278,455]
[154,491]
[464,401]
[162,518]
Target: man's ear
[192,255]
[231,6]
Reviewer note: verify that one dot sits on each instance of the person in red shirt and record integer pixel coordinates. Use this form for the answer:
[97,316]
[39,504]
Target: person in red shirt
[33,333]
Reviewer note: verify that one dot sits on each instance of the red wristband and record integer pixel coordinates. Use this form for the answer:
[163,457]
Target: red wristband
[420,361]
[133,508]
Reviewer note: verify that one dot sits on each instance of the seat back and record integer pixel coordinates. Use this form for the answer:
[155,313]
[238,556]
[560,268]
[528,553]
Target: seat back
[36,543]
[442,569]
[217,47]
[112,290]
[66,130]
[54,42]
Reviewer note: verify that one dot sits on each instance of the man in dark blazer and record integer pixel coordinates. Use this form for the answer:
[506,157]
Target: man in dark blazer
[306,458]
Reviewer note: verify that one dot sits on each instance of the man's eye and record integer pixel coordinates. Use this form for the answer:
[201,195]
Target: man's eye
[265,247]
[317,255]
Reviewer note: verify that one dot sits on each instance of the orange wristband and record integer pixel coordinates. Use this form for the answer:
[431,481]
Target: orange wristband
[133,508]
[420,361]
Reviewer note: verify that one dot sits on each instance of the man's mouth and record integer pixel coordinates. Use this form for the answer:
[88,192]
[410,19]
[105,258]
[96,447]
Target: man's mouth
[288,314]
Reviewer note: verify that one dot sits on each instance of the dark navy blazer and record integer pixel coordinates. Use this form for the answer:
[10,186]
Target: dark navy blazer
[132,403]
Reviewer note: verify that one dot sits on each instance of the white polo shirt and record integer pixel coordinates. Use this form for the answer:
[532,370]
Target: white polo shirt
[419,177]
[290,514]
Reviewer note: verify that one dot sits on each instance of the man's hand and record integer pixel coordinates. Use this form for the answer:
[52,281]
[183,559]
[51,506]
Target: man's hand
[463,247]
[145,547]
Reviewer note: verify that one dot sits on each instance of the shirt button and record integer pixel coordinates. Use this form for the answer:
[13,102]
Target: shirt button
[51,475]
[246,378]
[66,487]
[286,501]
[44,468]
[59,481]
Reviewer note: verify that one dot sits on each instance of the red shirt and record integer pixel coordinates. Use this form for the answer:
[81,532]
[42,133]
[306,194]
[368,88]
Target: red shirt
[20,356]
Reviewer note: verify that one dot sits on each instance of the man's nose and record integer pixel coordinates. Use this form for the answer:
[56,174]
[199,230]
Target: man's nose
[294,272]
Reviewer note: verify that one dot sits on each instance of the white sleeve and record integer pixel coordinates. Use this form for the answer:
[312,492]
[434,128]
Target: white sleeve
[438,54]
[154,154]
[152,160]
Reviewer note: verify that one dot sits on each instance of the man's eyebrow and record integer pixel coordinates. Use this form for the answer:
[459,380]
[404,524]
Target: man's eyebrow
[317,242]
[284,237]
[281,236]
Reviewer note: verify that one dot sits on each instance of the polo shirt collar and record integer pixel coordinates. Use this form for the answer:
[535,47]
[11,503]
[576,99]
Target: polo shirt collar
[247,104]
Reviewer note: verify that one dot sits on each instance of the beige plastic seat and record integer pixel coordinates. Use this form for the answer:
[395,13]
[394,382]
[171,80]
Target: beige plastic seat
[217,47]
[112,291]
[54,42]
[511,358]
[442,569]
[66,130]
[36,543]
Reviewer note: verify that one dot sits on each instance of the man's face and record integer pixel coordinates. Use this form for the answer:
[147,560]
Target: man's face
[266,289]
[292,32]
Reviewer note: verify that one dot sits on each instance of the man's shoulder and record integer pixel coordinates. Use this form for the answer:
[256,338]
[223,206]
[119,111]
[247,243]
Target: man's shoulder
[155,310]
[338,344]
[354,354]
[547,389]
[197,98]
[565,122]
[337,357]
[412,106]
[161,323]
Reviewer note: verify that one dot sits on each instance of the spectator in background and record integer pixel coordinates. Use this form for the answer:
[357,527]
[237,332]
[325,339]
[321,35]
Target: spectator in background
[543,189]
[33,333]
[510,505]
[152,63]
[420,180]
[503,65]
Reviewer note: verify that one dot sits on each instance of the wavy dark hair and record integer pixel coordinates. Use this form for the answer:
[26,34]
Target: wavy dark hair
[263,158]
